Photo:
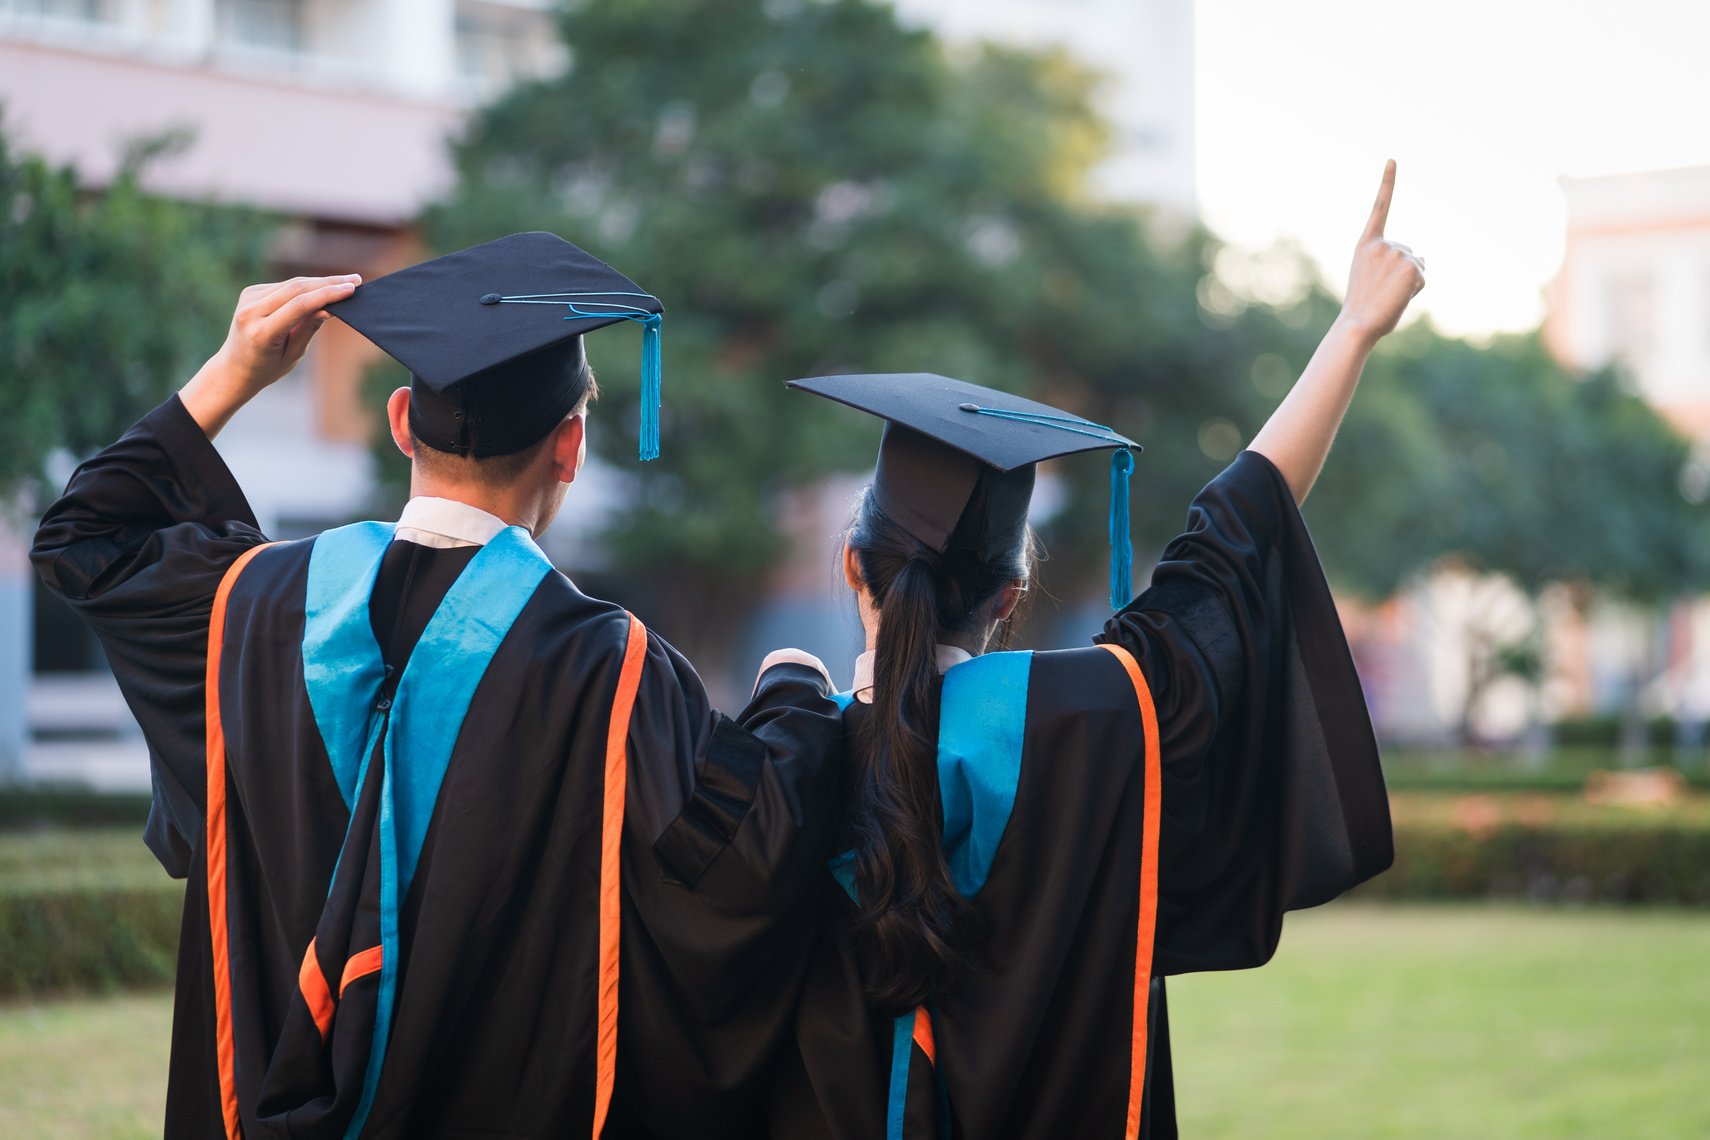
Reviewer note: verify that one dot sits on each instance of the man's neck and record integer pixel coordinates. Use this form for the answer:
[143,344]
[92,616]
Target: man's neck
[515,509]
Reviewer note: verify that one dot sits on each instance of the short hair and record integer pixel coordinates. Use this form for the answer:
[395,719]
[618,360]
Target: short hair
[494,470]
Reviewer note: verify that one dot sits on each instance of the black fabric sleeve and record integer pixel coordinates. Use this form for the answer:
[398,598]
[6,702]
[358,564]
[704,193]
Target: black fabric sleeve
[1273,794]
[137,546]
[718,864]
[723,794]
[735,810]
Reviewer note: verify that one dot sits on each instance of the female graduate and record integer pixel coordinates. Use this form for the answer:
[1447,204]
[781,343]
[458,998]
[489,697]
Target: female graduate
[1034,840]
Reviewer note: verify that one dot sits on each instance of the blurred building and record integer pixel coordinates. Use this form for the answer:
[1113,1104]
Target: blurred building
[333,115]
[1634,291]
[1634,286]
[1146,47]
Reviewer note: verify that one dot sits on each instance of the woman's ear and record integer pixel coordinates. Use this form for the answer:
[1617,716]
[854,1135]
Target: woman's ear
[398,418]
[1010,597]
[852,568]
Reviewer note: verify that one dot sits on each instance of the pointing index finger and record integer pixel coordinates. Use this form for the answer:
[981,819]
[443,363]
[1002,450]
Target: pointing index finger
[1380,208]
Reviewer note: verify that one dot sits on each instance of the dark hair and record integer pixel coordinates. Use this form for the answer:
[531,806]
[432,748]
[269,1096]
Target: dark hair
[495,470]
[910,912]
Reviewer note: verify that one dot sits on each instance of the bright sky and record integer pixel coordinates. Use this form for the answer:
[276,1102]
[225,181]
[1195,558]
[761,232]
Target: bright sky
[1484,104]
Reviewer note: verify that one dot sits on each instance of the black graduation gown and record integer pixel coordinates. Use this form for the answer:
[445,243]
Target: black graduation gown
[1270,799]
[497,978]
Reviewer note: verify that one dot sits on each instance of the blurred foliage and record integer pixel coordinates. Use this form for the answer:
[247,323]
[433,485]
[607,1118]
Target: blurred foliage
[113,298]
[44,805]
[829,190]
[1579,748]
[1499,456]
[1606,732]
[84,910]
[81,938]
[1546,849]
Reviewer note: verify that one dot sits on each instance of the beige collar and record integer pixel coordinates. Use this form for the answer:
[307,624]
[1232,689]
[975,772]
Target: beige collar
[445,523]
[948,655]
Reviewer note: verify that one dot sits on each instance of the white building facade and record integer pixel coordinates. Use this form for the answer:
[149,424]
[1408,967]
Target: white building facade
[1634,291]
[1634,286]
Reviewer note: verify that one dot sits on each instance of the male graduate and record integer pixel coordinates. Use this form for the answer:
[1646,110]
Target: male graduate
[417,782]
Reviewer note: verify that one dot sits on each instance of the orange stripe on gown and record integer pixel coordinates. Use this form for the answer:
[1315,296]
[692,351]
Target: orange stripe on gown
[360,965]
[1148,892]
[313,985]
[216,852]
[923,1034]
[611,836]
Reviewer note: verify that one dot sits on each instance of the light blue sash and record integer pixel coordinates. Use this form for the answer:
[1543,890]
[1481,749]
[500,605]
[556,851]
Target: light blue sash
[344,673]
[341,660]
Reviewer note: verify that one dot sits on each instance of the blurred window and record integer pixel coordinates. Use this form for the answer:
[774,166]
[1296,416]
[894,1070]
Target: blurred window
[274,25]
[499,44]
[1632,314]
[79,11]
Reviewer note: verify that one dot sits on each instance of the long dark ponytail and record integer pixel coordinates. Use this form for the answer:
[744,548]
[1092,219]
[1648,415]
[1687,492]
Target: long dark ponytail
[911,915]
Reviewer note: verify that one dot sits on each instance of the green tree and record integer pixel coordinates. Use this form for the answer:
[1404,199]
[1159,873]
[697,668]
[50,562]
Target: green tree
[1500,458]
[112,299]
[812,187]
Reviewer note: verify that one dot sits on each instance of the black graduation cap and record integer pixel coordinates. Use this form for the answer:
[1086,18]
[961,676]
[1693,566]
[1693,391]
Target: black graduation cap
[957,460]
[492,336]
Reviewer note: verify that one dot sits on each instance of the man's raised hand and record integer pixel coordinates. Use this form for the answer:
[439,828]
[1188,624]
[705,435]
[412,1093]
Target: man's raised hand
[269,333]
[274,323]
[1386,274]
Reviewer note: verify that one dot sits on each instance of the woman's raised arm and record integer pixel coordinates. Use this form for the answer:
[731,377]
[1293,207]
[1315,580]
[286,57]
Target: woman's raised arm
[1385,277]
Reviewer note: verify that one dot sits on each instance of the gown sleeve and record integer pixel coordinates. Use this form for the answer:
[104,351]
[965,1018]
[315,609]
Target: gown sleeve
[723,844]
[137,545]
[1273,797]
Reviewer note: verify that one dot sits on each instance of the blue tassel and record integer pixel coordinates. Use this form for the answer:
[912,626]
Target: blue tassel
[652,383]
[1121,545]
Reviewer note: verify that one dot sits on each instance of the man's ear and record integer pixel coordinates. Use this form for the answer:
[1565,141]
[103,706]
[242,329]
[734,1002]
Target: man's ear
[852,568]
[398,417]
[569,447]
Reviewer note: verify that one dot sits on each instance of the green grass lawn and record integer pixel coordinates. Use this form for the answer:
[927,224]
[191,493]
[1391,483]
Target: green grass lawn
[84,1068]
[1452,1021]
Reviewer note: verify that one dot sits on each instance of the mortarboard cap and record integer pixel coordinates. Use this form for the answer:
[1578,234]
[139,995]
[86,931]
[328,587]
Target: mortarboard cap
[492,338]
[957,460]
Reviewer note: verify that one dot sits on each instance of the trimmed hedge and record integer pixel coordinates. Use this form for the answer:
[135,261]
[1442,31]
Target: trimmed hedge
[81,938]
[85,910]
[1562,769]
[1546,849]
[1606,731]
[42,806]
